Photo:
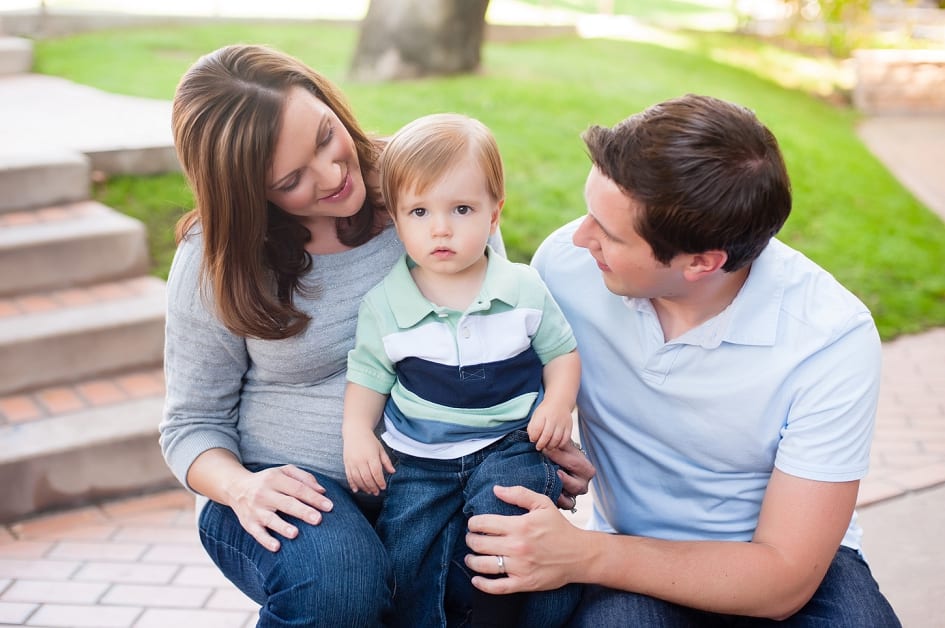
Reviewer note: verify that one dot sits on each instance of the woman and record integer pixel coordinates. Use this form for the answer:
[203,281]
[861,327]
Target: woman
[288,234]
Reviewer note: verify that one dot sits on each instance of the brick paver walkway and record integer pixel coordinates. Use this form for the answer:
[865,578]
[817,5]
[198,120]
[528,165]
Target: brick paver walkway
[135,562]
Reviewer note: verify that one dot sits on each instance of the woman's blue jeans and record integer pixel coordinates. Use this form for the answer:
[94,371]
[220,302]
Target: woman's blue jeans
[423,526]
[848,597]
[333,574]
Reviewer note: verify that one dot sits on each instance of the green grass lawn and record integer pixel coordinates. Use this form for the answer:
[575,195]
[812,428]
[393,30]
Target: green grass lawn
[850,215]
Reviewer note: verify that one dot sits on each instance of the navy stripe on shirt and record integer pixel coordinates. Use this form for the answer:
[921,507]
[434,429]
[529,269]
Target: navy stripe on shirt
[431,431]
[471,386]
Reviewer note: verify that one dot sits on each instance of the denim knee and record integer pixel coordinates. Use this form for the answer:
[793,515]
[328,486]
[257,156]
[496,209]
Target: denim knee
[334,574]
[513,461]
[602,606]
[848,597]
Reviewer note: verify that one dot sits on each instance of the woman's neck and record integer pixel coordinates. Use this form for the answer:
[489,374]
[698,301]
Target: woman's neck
[324,239]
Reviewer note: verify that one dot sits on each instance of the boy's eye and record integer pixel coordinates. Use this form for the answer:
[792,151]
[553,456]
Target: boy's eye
[462,210]
[419,212]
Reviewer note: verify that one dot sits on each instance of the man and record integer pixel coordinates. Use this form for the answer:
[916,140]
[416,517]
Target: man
[727,399]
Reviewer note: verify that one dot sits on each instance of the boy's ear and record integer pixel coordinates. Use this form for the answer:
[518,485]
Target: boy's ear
[495,215]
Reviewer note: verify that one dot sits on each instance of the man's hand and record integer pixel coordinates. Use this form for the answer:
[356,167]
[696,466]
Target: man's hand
[576,472]
[538,548]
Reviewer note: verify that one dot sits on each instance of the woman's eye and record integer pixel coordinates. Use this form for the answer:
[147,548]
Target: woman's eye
[291,185]
[330,133]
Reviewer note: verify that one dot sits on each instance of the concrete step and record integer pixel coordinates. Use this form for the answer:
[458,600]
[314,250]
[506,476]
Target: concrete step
[70,245]
[70,445]
[16,55]
[61,336]
[42,178]
[118,134]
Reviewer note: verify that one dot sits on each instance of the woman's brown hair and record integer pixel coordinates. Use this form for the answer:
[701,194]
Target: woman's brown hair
[226,116]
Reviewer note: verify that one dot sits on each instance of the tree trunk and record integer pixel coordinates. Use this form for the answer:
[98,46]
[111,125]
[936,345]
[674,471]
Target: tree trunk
[404,39]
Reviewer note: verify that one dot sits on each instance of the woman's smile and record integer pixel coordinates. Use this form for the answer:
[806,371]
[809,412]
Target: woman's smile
[341,193]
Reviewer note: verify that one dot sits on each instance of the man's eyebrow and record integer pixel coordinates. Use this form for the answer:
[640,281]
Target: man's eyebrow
[610,234]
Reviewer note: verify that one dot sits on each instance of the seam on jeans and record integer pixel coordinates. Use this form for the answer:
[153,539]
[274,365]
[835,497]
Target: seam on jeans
[446,559]
[234,549]
[553,485]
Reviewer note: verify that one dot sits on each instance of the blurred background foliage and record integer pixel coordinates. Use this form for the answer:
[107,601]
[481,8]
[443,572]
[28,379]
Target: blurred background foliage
[850,215]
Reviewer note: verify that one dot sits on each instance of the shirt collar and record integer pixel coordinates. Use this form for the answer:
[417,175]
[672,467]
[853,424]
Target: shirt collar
[755,312]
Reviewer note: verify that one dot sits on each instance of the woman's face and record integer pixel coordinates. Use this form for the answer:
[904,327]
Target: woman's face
[315,171]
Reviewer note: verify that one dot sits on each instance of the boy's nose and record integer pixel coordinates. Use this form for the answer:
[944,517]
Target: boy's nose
[441,225]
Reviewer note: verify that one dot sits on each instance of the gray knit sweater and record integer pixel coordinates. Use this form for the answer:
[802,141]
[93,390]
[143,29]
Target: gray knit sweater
[267,401]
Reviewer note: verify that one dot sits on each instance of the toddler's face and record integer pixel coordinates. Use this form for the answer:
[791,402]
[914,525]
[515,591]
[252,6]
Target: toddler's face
[445,228]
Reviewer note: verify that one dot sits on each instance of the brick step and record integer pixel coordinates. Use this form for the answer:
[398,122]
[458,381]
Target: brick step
[16,55]
[42,178]
[69,245]
[73,444]
[67,335]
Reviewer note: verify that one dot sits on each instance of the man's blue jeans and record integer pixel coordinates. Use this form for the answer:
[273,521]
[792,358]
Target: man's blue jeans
[333,574]
[423,524]
[848,597]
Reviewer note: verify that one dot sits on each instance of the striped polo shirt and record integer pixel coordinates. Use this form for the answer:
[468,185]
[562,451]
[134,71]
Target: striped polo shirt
[457,381]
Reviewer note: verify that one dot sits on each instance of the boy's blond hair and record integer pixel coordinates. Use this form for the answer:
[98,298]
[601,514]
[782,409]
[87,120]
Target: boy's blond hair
[422,151]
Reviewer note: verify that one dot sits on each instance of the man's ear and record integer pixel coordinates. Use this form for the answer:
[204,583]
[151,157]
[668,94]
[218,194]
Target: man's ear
[495,215]
[703,264]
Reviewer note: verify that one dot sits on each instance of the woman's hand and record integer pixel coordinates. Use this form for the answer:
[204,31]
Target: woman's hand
[538,549]
[576,473]
[258,498]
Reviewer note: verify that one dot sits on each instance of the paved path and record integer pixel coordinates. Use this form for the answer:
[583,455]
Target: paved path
[913,149]
[904,524]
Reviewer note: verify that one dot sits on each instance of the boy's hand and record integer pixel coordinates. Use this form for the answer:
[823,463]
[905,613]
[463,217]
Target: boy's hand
[550,426]
[365,462]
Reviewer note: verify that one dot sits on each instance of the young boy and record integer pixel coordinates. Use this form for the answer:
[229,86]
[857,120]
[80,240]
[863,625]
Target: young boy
[468,359]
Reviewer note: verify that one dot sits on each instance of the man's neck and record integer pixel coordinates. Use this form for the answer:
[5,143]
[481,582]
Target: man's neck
[704,300]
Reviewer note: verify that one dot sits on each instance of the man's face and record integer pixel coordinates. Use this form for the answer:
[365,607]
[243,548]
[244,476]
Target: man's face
[625,259]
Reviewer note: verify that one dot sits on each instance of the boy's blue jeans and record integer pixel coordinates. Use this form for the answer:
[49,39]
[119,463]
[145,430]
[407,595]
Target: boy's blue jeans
[423,522]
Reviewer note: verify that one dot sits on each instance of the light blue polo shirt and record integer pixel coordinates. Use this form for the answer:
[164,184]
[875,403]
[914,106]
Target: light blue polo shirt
[685,434]
[457,381]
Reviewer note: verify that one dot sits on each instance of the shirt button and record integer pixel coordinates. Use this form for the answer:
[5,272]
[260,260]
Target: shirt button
[465,332]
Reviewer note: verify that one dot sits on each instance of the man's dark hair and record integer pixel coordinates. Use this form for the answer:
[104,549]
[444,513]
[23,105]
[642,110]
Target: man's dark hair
[707,173]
